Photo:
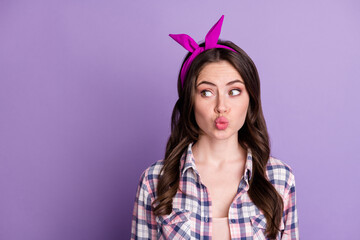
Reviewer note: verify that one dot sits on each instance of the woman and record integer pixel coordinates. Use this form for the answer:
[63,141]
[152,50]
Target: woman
[217,180]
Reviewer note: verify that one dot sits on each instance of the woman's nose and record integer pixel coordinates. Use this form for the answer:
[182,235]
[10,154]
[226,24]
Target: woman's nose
[221,105]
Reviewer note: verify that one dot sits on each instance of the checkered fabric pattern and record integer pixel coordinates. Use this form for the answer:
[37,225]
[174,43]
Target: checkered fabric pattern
[191,216]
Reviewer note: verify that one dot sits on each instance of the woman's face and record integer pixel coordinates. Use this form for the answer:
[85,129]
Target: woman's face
[221,100]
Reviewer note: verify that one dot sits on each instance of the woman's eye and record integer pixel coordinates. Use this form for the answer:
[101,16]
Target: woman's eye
[234,92]
[206,93]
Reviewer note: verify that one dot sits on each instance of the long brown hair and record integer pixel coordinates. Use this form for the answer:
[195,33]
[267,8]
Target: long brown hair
[253,135]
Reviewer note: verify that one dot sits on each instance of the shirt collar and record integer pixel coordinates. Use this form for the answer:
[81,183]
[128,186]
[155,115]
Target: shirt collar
[187,161]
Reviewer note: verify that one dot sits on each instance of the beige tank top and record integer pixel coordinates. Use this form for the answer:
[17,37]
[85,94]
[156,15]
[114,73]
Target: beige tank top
[220,229]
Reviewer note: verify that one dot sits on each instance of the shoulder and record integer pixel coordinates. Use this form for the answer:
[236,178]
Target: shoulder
[153,170]
[280,174]
[150,176]
[277,165]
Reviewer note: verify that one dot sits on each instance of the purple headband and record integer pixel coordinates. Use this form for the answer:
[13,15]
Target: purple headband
[189,44]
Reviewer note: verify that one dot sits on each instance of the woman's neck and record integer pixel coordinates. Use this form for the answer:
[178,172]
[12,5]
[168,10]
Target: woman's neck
[216,153]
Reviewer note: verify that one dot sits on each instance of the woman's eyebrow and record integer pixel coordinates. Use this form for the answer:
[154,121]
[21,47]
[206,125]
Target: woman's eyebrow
[229,83]
[235,81]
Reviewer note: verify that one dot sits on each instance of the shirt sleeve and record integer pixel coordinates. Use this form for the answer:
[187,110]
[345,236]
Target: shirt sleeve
[143,224]
[291,230]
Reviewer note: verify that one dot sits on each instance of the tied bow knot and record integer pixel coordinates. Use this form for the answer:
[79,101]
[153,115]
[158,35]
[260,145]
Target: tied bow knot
[189,44]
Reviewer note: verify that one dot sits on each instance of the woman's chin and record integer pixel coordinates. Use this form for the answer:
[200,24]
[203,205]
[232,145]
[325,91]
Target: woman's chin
[224,135]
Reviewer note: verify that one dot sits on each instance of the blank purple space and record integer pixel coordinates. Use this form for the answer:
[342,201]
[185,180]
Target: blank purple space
[87,90]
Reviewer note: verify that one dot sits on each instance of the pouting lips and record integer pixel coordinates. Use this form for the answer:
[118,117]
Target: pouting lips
[221,123]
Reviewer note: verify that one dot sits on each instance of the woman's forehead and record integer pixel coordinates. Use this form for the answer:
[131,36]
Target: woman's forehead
[219,73]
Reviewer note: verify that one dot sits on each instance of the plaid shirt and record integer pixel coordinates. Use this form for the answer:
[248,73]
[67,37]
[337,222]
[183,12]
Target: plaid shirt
[191,214]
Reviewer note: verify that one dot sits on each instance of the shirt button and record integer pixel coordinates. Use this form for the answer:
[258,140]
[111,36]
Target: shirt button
[206,219]
[233,220]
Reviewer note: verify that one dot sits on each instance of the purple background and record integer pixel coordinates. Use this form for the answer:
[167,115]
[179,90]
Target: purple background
[87,89]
